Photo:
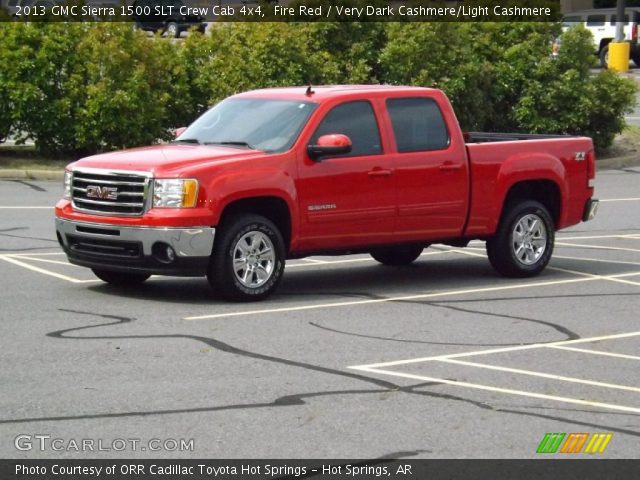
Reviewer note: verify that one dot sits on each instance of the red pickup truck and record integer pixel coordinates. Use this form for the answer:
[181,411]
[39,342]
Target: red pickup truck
[282,173]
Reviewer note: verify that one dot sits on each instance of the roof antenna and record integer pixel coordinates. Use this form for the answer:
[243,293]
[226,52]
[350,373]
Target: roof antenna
[309,91]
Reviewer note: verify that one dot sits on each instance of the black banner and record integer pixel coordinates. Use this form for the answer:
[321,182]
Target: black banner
[149,12]
[565,469]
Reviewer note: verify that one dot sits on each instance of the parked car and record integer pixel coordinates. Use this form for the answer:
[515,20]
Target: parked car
[283,173]
[167,16]
[602,24]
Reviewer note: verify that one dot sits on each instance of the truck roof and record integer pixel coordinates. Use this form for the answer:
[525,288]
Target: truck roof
[323,92]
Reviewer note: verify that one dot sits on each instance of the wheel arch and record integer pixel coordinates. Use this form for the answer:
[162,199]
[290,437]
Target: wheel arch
[540,177]
[545,191]
[273,207]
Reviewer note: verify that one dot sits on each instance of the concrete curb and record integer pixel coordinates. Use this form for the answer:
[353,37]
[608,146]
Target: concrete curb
[22,174]
[618,162]
[26,174]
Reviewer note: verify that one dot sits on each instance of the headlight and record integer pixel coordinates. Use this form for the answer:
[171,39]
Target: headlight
[67,184]
[175,193]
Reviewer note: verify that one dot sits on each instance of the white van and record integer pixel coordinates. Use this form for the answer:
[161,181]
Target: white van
[601,23]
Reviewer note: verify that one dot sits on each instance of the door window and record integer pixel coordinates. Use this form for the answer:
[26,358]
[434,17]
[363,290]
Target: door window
[418,124]
[357,121]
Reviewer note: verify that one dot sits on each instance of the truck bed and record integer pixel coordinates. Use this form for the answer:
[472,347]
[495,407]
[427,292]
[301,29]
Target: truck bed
[488,137]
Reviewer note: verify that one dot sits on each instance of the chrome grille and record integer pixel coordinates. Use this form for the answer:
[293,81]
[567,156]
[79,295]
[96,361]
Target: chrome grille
[110,192]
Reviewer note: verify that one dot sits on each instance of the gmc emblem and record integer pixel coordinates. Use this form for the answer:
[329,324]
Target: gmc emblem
[108,193]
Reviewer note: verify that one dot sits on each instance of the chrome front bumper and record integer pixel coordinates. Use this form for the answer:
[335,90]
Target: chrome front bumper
[137,249]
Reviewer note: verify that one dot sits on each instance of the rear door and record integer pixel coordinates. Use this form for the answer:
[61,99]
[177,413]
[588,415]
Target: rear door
[430,169]
[348,200]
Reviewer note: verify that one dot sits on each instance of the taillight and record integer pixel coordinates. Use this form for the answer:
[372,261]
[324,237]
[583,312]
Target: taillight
[634,32]
[591,168]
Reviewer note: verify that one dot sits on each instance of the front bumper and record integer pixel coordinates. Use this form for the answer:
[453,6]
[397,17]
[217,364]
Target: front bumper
[137,249]
[590,209]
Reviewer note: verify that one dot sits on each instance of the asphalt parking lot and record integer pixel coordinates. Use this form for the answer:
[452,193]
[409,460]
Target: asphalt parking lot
[442,359]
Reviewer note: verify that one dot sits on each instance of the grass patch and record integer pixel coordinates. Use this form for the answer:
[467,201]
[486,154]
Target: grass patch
[25,157]
[625,144]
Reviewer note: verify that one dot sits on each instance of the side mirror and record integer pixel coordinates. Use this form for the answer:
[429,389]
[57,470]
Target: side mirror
[333,144]
[179,131]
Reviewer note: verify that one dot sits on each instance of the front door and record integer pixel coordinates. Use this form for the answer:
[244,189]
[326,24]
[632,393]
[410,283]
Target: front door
[348,200]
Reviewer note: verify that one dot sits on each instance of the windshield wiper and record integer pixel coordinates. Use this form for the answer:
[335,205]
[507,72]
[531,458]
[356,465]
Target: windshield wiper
[187,140]
[233,144]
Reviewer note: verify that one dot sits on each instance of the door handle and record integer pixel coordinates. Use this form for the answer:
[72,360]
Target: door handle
[448,167]
[379,172]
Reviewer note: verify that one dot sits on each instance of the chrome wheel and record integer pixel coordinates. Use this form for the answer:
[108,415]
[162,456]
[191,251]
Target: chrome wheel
[529,239]
[172,30]
[253,259]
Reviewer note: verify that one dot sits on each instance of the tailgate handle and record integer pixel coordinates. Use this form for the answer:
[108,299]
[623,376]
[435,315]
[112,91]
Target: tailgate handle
[450,166]
[379,172]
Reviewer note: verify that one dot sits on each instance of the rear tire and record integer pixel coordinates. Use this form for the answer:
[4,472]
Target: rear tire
[604,57]
[119,278]
[523,244]
[397,256]
[248,259]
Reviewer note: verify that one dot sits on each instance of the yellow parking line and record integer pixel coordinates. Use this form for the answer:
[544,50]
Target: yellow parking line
[598,260]
[350,260]
[632,236]
[633,199]
[509,391]
[551,376]
[595,352]
[597,277]
[420,296]
[597,247]
[491,351]
[46,260]
[15,261]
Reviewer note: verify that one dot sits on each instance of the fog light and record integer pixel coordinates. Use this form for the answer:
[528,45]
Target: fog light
[164,253]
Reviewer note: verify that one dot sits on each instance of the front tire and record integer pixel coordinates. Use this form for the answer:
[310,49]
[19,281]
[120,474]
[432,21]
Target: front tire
[119,278]
[523,244]
[397,256]
[248,259]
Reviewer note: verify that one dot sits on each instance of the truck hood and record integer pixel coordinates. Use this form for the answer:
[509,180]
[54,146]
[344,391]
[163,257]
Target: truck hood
[170,160]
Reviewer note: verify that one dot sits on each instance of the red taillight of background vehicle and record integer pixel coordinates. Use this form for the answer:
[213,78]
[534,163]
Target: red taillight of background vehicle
[634,33]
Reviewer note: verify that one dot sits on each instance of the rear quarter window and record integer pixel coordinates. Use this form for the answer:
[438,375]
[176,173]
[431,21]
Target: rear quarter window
[572,21]
[595,20]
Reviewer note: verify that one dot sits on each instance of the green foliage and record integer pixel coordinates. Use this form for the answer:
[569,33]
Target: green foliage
[562,96]
[38,66]
[501,77]
[81,88]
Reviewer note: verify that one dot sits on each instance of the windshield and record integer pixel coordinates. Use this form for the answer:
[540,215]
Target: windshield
[260,124]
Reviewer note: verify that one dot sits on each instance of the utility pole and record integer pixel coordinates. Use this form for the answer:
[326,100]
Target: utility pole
[620,21]
[618,50]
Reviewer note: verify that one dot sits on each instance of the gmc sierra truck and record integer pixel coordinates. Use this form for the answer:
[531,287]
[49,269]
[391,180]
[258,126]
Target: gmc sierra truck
[282,173]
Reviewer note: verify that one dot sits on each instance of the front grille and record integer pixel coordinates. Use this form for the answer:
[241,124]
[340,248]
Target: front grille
[104,248]
[109,193]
